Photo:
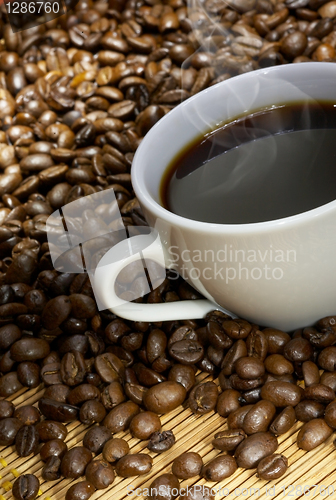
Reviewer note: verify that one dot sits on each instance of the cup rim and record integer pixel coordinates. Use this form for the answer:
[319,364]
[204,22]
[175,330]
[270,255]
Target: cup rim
[146,199]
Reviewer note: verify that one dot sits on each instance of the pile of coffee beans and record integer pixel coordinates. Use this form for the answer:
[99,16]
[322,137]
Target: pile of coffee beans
[76,97]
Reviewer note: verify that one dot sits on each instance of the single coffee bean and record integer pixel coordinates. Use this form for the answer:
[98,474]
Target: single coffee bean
[217,337]
[161,441]
[237,351]
[241,384]
[330,415]
[276,340]
[73,368]
[278,365]
[329,379]
[137,464]
[82,393]
[109,367]
[100,474]
[259,417]
[164,397]
[298,350]
[187,465]
[119,418]
[8,335]
[74,462]
[228,440]
[112,395]
[327,359]
[58,392]
[26,487]
[282,393]
[228,401]
[96,437]
[164,487]
[254,448]
[80,491]
[184,375]
[54,410]
[26,440]
[144,424]
[114,449]
[28,414]
[48,429]
[53,448]
[249,368]
[257,345]
[313,433]
[28,374]
[9,383]
[29,349]
[9,427]
[203,398]
[219,468]
[51,469]
[311,374]
[319,393]
[55,312]
[272,467]
[307,410]
[6,409]
[92,412]
[187,352]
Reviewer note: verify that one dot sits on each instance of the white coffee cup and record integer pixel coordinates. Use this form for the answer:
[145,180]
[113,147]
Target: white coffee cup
[300,288]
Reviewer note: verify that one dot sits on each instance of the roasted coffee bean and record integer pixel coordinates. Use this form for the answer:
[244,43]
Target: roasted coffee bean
[217,337]
[137,464]
[80,491]
[327,359]
[311,374]
[319,393]
[100,474]
[119,418]
[55,312]
[329,379]
[92,412]
[298,350]
[254,448]
[187,465]
[236,329]
[236,418]
[184,375]
[48,429]
[259,417]
[60,412]
[9,427]
[199,492]
[242,384]
[164,397]
[249,368]
[29,349]
[73,368]
[161,441]
[144,424]
[203,398]
[313,433]
[219,468]
[307,410]
[147,376]
[96,437]
[164,487]
[26,487]
[74,462]
[238,350]
[53,448]
[109,367]
[330,415]
[6,409]
[82,393]
[51,470]
[51,374]
[26,441]
[276,340]
[28,374]
[228,401]
[8,335]
[272,467]
[114,449]
[257,344]
[228,440]
[58,392]
[276,364]
[112,395]
[9,384]
[282,393]
[186,352]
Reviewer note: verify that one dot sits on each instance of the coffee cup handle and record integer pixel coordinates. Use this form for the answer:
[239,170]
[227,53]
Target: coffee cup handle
[107,272]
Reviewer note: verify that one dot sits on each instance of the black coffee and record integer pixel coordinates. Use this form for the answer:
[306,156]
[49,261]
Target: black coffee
[268,165]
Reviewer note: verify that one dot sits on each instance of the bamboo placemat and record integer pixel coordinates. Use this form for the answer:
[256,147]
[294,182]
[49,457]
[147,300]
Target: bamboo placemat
[315,469]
